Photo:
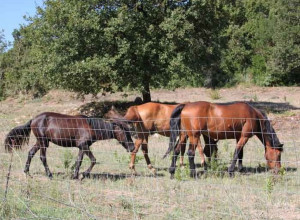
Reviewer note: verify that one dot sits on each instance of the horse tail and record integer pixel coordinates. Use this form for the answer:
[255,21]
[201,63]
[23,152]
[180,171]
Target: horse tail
[17,137]
[175,122]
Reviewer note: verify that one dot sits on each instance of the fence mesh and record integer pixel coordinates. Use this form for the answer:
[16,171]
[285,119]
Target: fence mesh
[112,192]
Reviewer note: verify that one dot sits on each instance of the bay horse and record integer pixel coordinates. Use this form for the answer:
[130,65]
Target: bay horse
[238,121]
[152,118]
[67,131]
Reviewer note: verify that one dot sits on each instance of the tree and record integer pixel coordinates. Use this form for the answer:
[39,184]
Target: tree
[91,46]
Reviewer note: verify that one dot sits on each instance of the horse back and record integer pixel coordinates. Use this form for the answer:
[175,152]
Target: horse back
[221,121]
[152,116]
[60,128]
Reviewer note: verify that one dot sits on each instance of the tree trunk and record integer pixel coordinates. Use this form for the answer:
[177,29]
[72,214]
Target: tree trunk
[146,93]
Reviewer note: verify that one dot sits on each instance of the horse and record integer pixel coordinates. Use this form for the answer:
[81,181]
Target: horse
[67,131]
[152,118]
[238,121]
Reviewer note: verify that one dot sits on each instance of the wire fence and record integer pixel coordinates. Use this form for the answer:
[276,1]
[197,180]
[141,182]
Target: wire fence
[113,192]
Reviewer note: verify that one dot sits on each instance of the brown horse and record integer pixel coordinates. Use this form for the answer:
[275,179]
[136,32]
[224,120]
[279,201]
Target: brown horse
[238,121]
[151,118]
[67,131]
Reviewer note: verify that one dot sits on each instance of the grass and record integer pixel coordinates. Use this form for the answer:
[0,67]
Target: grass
[113,193]
[214,94]
[120,195]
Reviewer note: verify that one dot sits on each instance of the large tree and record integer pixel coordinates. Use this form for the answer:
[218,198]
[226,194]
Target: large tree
[91,46]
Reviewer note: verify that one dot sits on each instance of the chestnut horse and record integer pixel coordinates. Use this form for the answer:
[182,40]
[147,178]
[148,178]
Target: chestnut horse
[67,131]
[152,118]
[238,121]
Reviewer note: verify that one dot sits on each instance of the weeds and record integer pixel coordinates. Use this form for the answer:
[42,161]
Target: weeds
[124,158]
[216,167]
[269,185]
[67,160]
[183,173]
[214,94]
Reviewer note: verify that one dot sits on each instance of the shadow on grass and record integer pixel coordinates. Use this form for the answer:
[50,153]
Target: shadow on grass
[100,176]
[100,109]
[119,176]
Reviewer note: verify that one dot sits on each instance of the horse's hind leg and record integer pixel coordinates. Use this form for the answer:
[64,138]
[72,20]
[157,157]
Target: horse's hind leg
[89,153]
[78,164]
[43,157]
[174,159]
[182,145]
[31,154]
[194,141]
[201,153]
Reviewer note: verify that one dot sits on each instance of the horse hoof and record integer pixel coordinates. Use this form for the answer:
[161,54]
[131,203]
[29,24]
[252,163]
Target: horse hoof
[75,177]
[231,174]
[27,174]
[172,176]
[153,171]
[86,175]
[193,174]
[133,173]
[241,170]
[50,176]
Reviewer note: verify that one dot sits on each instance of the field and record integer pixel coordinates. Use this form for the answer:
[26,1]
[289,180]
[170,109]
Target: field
[113,193]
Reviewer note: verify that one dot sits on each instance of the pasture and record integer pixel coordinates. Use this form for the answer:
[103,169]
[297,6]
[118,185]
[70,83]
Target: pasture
[113,193]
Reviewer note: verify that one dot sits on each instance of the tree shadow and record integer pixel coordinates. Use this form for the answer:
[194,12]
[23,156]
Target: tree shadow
[100,109]
[269,107]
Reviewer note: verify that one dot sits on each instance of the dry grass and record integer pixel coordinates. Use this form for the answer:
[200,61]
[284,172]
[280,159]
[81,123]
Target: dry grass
[112,193]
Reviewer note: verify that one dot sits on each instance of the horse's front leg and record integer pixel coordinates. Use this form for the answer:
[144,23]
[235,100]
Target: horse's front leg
[239,147]
[137,145]
[31,154]
[89,153]
[146,156]
[78,164]
[240,160]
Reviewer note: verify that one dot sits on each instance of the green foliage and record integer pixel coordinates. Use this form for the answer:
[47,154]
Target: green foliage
[216,167]
[67,160]
[214,94]
[182,173]
[104,46]
[269,185]
[261,45]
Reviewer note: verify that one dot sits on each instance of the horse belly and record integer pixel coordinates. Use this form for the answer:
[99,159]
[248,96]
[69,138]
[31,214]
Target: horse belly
[65,142]
[219,135]
[62,137]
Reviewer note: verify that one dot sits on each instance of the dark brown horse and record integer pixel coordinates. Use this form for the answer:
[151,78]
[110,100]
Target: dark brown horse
[238,121]
[67,131]
[152,118]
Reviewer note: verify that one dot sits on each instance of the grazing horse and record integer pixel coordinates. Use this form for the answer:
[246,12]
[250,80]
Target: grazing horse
[67,131]
[238,121]
[151,118]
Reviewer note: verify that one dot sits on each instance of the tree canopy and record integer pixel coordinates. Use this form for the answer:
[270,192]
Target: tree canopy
[104,46]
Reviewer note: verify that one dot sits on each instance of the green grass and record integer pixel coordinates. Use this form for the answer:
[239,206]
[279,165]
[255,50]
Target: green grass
[114,193]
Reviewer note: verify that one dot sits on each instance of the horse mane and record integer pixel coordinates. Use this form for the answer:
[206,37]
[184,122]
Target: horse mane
[270,132]
[100,126]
